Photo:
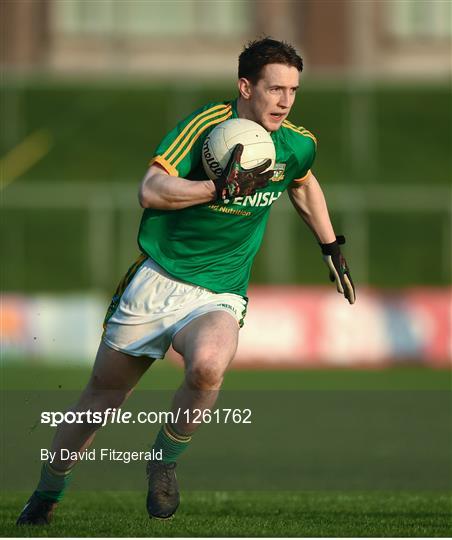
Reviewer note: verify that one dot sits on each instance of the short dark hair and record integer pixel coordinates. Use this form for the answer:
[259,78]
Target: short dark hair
[259,53]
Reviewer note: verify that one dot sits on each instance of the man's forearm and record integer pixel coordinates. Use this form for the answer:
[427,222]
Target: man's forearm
[164,192]
[310,203]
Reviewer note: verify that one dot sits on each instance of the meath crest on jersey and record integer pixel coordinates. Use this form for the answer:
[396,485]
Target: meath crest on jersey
[278,173]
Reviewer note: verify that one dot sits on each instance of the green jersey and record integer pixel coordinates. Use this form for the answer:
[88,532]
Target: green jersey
[213,245]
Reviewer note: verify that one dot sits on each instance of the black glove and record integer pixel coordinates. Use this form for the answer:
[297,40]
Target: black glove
[339,271]
[236,181]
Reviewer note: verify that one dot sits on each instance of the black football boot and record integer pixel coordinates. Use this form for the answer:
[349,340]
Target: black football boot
[163,492]
[37,511]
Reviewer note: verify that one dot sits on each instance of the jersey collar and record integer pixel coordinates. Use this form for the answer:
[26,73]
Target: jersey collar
[234,108]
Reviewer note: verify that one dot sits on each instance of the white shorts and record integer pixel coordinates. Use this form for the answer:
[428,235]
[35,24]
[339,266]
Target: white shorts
[150,307]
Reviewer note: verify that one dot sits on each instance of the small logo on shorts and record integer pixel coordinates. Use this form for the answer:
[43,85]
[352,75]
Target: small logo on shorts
[228,306]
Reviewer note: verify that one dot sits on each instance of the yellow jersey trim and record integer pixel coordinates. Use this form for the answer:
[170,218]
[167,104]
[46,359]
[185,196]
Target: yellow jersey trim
[183,137]
[301,130]
[217,120]
[165,164]
[300,180]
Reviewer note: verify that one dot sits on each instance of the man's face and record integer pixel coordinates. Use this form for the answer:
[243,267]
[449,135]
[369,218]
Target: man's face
[272,97]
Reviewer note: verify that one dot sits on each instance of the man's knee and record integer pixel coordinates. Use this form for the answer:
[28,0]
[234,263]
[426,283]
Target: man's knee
[205,375]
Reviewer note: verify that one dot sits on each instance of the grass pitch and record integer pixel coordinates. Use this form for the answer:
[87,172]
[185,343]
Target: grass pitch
[245,514]
[319,512]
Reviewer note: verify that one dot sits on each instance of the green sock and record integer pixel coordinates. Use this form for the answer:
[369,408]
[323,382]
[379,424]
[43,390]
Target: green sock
[171,443]
[53,483]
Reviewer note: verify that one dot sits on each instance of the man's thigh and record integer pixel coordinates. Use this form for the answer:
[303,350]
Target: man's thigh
[211,338]
[114,370]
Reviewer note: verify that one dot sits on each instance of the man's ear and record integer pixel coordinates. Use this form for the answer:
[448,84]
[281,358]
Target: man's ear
[245,88]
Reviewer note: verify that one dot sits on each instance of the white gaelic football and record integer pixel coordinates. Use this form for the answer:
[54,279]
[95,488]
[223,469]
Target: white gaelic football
[218,146]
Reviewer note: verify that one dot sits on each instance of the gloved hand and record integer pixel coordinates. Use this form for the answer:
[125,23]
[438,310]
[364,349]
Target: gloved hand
[236,181]
[339,271]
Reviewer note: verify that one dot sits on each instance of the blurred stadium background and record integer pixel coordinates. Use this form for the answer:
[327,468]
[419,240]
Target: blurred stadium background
[90,87]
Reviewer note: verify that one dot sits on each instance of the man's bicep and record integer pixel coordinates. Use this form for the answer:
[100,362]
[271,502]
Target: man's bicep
[149,183]
[300,192]
[153,171]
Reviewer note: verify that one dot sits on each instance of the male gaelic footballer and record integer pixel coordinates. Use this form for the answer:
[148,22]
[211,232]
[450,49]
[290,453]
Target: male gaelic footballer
[187,289]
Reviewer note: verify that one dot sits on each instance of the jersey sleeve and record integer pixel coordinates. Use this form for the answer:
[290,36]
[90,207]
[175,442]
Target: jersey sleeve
[305,154]
[180,150]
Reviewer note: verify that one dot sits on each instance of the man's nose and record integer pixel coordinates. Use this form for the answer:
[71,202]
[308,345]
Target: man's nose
[284,99]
